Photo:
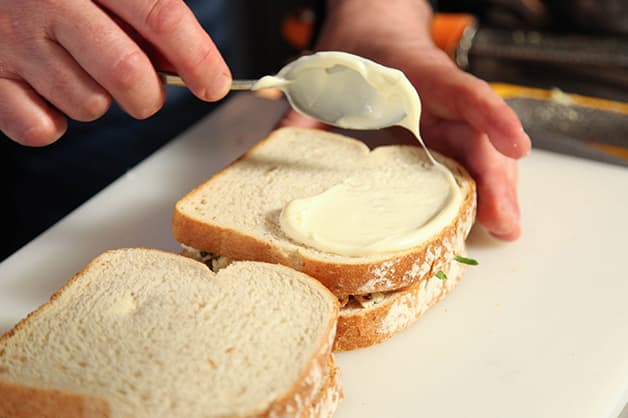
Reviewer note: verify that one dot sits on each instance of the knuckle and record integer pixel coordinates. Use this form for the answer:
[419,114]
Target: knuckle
[204,55]
[470,87]
[41,134]
[149,109]
[128,70]
[94,106]
[13,46]
[51,3]
[79,104]
[25,120]
[9,26]
[144,112]
[164,16]
[145,108]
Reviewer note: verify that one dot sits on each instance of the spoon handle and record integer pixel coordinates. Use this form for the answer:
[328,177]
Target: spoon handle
[174,80]
[242,84]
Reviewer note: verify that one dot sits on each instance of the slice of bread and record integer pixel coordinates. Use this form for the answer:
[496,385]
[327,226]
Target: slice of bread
[236,212]
[327,399]
[360,326]
[144,333]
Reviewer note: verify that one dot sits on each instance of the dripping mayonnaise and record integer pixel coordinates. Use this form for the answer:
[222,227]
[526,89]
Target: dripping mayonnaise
[364,215]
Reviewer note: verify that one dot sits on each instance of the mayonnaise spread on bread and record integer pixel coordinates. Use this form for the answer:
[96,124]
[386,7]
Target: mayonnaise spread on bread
[364,214]
[369,213]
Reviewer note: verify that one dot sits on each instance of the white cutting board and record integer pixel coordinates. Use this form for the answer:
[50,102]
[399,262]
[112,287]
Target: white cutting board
[539,329]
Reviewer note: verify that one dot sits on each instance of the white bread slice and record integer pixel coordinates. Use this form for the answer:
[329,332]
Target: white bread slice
[360,327]
[327,399]
[144,333]
[236,212]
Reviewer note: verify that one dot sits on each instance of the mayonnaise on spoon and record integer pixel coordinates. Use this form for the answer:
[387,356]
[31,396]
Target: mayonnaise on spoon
[363,215]
[348,91]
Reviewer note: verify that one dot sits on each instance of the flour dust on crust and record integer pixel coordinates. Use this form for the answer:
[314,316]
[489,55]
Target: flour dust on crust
[330,395]
[363,327]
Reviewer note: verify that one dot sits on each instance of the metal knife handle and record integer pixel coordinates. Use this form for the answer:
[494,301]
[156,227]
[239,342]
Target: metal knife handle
[174,80]
[548,48]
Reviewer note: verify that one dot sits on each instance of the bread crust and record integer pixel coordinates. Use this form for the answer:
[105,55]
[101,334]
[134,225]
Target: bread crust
[328,397]
[309,384]
[390,272]
[21,401]
[366,327]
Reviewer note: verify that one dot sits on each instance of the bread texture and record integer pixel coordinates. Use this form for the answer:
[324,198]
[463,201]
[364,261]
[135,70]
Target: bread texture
[360,327]
[236,212]
[144,333]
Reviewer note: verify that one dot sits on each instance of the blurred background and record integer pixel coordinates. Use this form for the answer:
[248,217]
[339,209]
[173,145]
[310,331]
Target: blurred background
[561,64]
[576,45]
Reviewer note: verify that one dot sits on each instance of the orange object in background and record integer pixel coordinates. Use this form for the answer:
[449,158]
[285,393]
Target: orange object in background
[448,29]
[297,28]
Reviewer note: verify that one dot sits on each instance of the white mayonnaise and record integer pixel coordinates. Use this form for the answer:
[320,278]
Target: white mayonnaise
[372,214]
[365,214]
[346,91]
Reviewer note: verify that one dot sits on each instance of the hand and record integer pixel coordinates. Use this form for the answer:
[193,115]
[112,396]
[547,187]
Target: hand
[461,117]
[71,58]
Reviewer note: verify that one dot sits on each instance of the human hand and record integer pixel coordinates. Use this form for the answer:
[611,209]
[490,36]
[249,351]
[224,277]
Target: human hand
[462,117]
[71,58]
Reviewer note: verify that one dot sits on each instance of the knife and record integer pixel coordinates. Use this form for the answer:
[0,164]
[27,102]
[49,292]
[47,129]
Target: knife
[464,40]
[571,124]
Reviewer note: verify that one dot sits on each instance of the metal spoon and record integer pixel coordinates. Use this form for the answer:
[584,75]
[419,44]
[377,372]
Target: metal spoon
[175,80]
[340,89]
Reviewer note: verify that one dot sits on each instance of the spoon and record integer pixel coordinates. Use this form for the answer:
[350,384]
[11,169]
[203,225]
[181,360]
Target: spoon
[342,90]
[174,80]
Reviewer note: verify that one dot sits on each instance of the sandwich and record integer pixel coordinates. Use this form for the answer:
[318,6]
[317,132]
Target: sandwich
[384,229]
[145,333]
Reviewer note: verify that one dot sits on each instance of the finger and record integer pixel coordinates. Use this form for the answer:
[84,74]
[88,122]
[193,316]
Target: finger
[296,119]
[110,57]
[455,95]
[58,78]
[155,56]
[498,207]
[487,112]
[171,26]
[495,174]
[25,117]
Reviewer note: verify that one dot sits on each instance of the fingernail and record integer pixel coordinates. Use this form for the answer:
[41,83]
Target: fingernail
[219,87]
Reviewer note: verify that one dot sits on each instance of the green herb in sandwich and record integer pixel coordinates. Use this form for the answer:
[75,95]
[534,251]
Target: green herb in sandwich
[465,260]
[441,275]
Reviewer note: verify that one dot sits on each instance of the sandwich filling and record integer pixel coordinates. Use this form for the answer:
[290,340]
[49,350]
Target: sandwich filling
[350,302]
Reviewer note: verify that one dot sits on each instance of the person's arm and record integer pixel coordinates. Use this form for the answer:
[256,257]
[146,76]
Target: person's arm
[462,116]
[71,58]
